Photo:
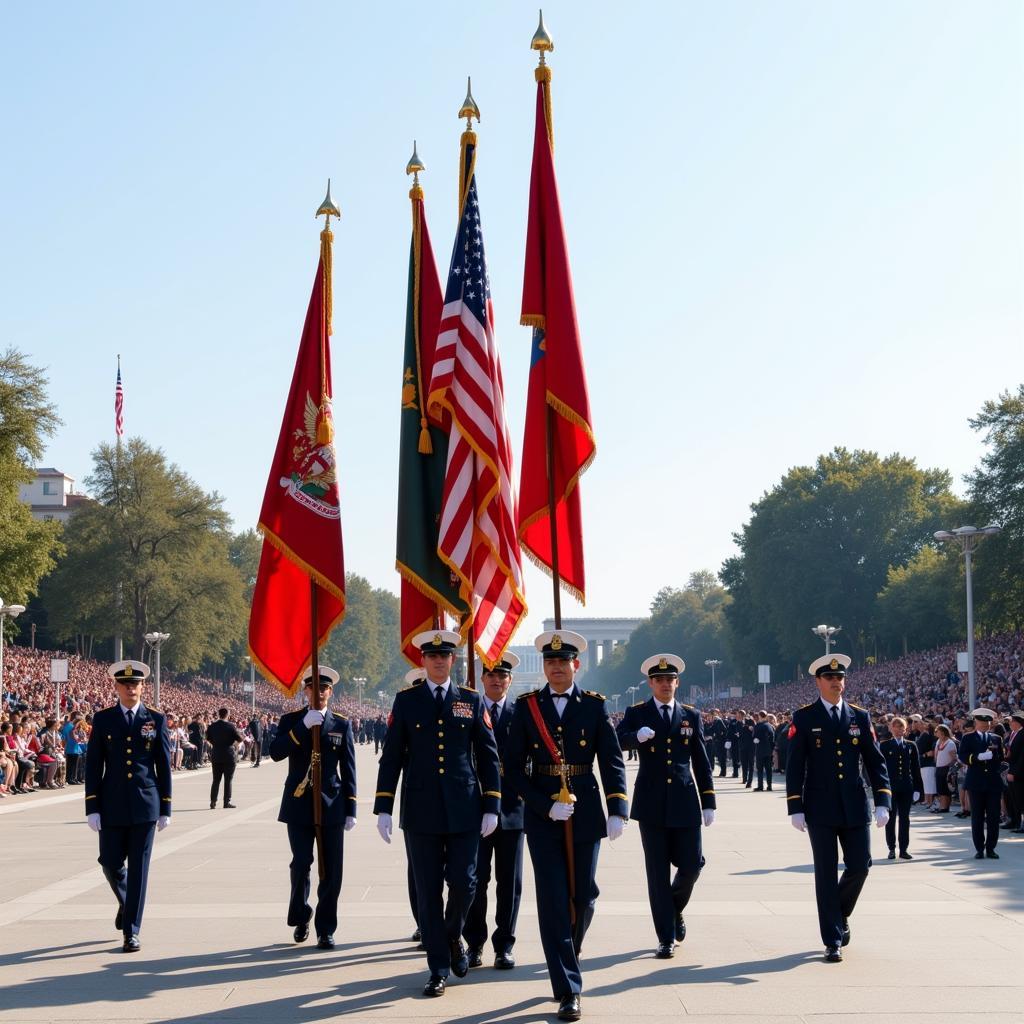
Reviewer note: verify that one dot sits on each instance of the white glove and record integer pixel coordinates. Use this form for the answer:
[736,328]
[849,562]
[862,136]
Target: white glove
[709,816]
[350,823]
[162,822]
[797,821]
[728,745]
[488,825]
[384,827]
[616,826]
[560,811]
[987,756]
[881,816]
[644,733]
[93,821]
[915,796]
[312,717]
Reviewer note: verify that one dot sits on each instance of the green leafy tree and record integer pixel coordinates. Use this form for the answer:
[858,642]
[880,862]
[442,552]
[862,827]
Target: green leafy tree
[152,552]
[997,495]
[28,548]
[918,606]
[819,546]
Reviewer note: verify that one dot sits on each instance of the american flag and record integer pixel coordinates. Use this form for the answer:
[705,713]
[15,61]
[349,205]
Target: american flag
[477,535]
[119,404]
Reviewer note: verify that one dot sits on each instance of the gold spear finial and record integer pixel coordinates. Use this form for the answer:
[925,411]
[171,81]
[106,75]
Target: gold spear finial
[415,165]
[542,41]
[327,208]
[469,109]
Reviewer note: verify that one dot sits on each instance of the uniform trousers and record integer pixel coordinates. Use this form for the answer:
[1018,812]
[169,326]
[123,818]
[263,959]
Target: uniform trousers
[900,809]
[132,844]
[1015,801]
[985,818]
[747,766]
[836,897]
[664,849]
[560,939]
[410,880]
[723,756]
[764,771]
[439,858]
[302,839]
[222,770]
[506,847]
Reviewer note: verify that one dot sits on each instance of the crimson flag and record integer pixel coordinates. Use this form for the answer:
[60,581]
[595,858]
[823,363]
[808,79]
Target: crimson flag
[301,516]
[557,379]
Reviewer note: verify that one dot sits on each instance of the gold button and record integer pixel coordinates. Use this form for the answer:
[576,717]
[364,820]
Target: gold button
[669,741]
[440,746]
[668,762]
[440,771]
[128,762]
[840,775]
[583,743]
[440,757]
[440,721]
[840,764]
[440,734]
[669,781]
[536,745]
[417,725]
[128,751]
[129,775]
[559,728]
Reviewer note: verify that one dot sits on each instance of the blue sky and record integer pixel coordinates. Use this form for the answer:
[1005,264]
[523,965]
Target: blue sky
[792,225]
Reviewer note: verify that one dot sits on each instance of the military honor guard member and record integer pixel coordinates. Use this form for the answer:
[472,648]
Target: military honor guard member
[982,753]
[556,736]
[504,845]
[294,741]
[747,750]
[441,740]
[1015,772]
[128,792]
[413,677]
[828,742]
[674,793]
[764,748]
[903,762]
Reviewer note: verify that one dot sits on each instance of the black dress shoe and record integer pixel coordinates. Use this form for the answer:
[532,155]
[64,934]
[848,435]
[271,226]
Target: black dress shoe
[569,1007]
[504,961]
[892,855]
[230,805]
[992,855]
[119,919]
[846,934]
[1018,831]
[213,805]
[759,789]
[665,951]
[131,944]
[460,962]
[905,856]
[476,956]
[435,986]
[301,932]
[325,941]
[680,928]
[833,955]
[979,856]
[416,936]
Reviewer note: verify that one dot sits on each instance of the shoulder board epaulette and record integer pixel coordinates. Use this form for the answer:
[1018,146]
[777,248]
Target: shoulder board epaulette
[468,689]
[857,707]
[689,707]
[337,714]
[639,703]
[531,693]
[806,706]
[406,689]
[594,693]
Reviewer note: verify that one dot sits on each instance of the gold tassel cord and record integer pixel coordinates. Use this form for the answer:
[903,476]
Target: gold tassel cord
[543,75]
[416,195]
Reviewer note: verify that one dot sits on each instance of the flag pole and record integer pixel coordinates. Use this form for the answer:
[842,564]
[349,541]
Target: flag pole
[543,43]
[326,210]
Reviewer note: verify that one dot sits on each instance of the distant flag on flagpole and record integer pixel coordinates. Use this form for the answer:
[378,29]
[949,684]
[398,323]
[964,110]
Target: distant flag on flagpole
[119,403]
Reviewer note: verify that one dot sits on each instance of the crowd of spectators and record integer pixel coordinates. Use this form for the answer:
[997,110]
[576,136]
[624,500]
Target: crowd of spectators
[42,746]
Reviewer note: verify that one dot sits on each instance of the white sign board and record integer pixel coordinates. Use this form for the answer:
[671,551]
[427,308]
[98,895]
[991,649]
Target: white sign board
[58,670]
[247,688]
[962,664]
[764,674]
[735,691]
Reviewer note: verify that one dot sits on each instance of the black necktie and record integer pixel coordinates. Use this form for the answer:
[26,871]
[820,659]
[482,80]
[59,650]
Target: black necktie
[439,699]
[835,716]
[128,718]
[665,715]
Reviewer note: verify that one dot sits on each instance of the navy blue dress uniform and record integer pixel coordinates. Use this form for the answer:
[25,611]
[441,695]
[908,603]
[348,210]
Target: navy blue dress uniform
[717,736]
[414,677]
[674,785]
[1015,778]
[294,741]
[827,747]
[903,762]
[583,733]
[444,750]
[764,747]
[747,752]
[505,847]
[733,730]
[983,781]
[128,785]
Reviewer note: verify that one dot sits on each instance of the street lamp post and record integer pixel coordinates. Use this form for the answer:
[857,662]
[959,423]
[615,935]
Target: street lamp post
[252,681]
[156,640]
[713,663]
[631,690]
[969,537]
[360,681]
[7,611]
[826,633]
